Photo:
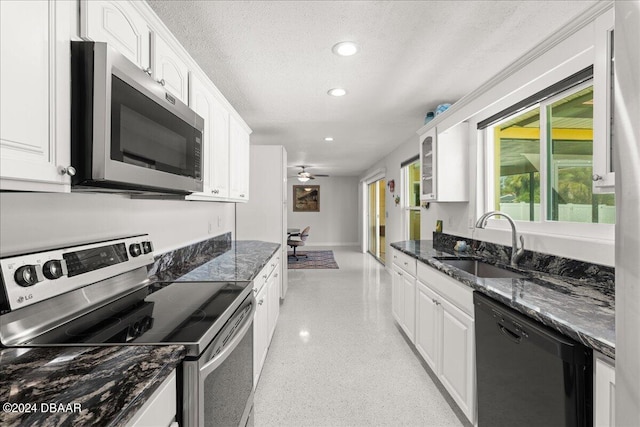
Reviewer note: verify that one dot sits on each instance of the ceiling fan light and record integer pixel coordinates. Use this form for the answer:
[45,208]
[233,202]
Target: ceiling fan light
[303,178]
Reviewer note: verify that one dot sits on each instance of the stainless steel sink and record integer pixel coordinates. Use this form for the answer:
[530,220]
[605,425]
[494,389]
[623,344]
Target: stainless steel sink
[480,269]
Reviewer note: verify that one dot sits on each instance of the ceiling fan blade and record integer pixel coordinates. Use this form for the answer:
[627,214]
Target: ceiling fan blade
[322,175]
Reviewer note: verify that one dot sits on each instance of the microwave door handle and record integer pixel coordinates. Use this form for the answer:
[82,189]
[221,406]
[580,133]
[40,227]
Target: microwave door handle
[230,346]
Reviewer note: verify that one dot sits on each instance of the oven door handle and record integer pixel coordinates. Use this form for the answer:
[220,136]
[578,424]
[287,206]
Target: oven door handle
[230,346]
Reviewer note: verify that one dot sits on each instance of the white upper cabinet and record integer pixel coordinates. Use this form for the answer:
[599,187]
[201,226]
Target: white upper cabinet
[35,101]
[444,162]
[35,86]
[201,101]
[219,152]
[239,162]
[215,140]
[603,170]
[169,69]
[120,25]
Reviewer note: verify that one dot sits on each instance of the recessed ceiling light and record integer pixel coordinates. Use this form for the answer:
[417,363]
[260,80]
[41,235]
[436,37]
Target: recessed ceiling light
[328,139]
[345,48]
[337,91]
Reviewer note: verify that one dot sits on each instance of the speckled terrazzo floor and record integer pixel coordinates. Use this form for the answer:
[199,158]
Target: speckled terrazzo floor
[338,359]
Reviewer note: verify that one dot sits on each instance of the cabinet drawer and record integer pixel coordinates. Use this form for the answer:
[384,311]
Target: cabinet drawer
[405,262]
[457,293]
[266,272]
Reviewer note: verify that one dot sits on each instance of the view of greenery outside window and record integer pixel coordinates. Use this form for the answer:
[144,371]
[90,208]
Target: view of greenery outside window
[517,166]
[411,174]
[567,120]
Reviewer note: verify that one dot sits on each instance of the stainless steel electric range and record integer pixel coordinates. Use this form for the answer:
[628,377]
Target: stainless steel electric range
[98,294]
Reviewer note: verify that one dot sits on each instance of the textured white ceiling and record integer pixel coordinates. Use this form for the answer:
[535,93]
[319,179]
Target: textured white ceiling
[272,60]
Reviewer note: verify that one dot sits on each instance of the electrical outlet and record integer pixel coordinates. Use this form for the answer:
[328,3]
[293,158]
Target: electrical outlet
[219,222]
[450,221]
[210,228]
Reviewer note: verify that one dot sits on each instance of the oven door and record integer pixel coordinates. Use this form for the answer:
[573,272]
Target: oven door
[218,386]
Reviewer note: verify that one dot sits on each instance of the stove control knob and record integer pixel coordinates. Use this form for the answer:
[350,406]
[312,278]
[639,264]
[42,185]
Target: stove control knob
[52,269]
[28,275]
[135,250]
[147,247]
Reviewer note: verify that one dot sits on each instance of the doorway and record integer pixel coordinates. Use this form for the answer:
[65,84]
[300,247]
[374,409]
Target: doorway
[376,219]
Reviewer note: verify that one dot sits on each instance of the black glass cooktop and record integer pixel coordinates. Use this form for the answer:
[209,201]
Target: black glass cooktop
[188,313]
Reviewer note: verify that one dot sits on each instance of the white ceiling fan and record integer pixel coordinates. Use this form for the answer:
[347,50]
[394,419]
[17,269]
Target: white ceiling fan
[304,176]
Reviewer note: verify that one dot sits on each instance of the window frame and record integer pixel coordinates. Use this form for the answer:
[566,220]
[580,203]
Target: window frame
[404,199]
[599,231]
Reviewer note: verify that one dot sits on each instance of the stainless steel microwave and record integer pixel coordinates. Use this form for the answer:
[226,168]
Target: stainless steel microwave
[127,132]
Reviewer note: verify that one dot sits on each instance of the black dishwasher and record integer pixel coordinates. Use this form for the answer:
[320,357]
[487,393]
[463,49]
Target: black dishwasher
[528,374]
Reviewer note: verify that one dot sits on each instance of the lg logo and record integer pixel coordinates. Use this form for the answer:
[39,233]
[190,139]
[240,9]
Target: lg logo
[22,299]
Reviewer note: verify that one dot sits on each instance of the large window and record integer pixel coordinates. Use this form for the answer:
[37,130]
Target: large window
[541,161]
[411,199]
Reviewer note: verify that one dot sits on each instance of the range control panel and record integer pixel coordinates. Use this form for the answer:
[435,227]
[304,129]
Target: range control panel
[38,276]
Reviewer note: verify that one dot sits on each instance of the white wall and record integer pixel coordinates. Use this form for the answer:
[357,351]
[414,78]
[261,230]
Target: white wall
[337,222]
[33,220]
[391,164]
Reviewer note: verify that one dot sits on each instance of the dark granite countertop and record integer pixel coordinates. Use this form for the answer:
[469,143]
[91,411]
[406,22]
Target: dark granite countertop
[242,262]
[108,385]
[575,308]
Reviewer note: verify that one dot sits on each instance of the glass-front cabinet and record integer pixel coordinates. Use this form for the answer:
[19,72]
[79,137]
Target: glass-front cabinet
[444,164]
[426,158]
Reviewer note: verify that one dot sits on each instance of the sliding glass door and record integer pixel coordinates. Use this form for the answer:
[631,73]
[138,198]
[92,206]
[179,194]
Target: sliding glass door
[376,217]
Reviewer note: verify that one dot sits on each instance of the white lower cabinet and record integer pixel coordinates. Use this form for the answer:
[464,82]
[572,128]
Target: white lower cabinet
[445,335]
[428,319]
[260,333]
[160,409]
[457,356]
[266,286]
[273,298]
[604,391]
[403,301]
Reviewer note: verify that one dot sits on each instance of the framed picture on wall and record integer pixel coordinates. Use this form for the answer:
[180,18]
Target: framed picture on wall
[306,198]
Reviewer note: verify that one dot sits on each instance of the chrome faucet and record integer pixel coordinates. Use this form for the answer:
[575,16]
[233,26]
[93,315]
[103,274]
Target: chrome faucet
[516,253]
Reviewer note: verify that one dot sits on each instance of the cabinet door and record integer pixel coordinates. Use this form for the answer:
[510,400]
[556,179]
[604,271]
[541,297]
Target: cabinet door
[604,395]
[239,161]
[169,69]
[35,95]
[428,331]
[397,295]
[219,158]
[274,301]
[260,333]
[160,409]
[457,357]
[120,25]
[409,286]
[428,164]
[202,102]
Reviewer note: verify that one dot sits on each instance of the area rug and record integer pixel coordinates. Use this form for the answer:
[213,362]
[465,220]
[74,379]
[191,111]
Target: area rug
[315,260]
